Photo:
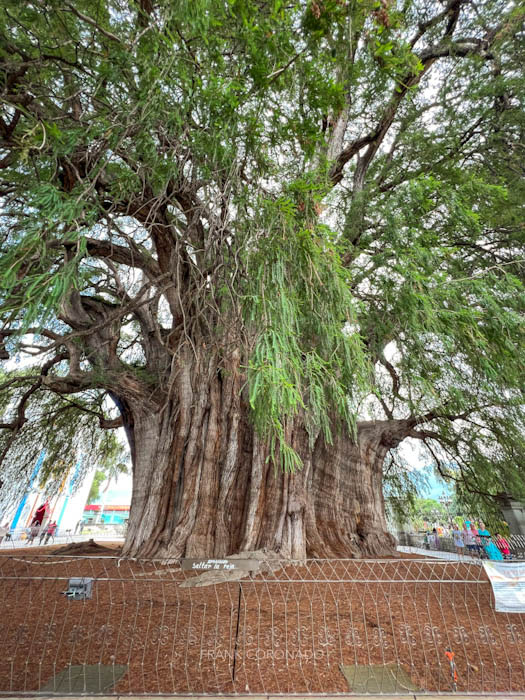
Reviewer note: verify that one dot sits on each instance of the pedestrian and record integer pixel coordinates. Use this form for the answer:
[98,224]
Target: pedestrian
[4,531]
[50,531]
[43,531]
[503,546]
[457,536]
[33,532]
[477,539]
[469,538]
[434,538]
[488,545]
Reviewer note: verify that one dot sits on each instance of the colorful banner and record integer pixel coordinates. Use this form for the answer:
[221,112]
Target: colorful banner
[23,502]
[508,584]
[71,486]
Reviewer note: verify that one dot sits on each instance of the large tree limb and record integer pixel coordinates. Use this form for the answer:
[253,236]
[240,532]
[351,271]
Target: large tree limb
[106,249]
[104,423]
[445,48]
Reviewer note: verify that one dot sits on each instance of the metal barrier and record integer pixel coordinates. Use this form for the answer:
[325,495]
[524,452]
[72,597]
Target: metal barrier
[321,627]
[22,536]
[446,544]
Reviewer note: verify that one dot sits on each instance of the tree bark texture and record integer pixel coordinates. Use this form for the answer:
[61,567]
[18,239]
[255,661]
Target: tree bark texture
[203,485]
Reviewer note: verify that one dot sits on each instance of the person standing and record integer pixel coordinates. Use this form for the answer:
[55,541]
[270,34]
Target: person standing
[457,536]
[477,538]
[43,532]
[33,533]
[503,546]
[50,532]
[488,545]
[469,539]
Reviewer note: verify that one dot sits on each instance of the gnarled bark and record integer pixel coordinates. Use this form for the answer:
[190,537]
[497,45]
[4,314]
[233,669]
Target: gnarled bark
[203,484]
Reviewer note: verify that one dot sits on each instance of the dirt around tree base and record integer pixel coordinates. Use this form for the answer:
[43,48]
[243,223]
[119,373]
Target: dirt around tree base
[89,548]
[288,630]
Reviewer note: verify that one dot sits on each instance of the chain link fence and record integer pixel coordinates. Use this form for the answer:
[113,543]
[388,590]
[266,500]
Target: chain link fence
[107,626]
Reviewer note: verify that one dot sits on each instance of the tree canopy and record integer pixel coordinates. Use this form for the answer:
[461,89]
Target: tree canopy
[332,191]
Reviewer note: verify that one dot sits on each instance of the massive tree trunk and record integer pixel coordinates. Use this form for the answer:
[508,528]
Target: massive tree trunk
[203,484]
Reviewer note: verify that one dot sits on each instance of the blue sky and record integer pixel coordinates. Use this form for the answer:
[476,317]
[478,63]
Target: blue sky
[436,487]
[119,493]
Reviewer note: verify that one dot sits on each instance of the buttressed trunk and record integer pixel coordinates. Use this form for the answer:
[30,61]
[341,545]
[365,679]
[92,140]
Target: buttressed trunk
[203,486]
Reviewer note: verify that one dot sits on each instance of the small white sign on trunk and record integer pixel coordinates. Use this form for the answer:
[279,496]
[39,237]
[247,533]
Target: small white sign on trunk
[220,564]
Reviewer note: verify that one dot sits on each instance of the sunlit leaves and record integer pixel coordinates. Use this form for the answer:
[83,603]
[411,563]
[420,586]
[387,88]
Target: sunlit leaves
[198,139]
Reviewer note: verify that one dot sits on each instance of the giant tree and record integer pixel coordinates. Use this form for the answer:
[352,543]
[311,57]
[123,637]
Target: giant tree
[279,239]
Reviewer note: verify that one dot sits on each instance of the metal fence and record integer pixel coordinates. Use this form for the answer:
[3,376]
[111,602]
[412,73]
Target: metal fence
[446,544]
[321,627]
[23,537]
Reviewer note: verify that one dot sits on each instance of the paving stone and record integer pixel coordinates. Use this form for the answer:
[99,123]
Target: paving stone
[85,679]
[387,678]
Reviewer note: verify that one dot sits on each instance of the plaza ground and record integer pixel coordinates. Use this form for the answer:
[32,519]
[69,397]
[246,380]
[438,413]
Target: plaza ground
[281,697]
[278,632]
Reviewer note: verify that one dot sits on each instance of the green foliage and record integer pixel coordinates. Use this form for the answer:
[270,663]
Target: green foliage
[69,431]
[179,180]
[401,488]
[109,469]
[302,361]
[429,508]
[94,491]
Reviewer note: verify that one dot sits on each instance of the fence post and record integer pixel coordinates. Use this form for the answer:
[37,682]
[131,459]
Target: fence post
[236,634]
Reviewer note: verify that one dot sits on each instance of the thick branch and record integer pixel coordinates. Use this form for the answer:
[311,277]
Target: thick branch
[132,256]
[92,22]
[110,424]
[105,423]
[445,48]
